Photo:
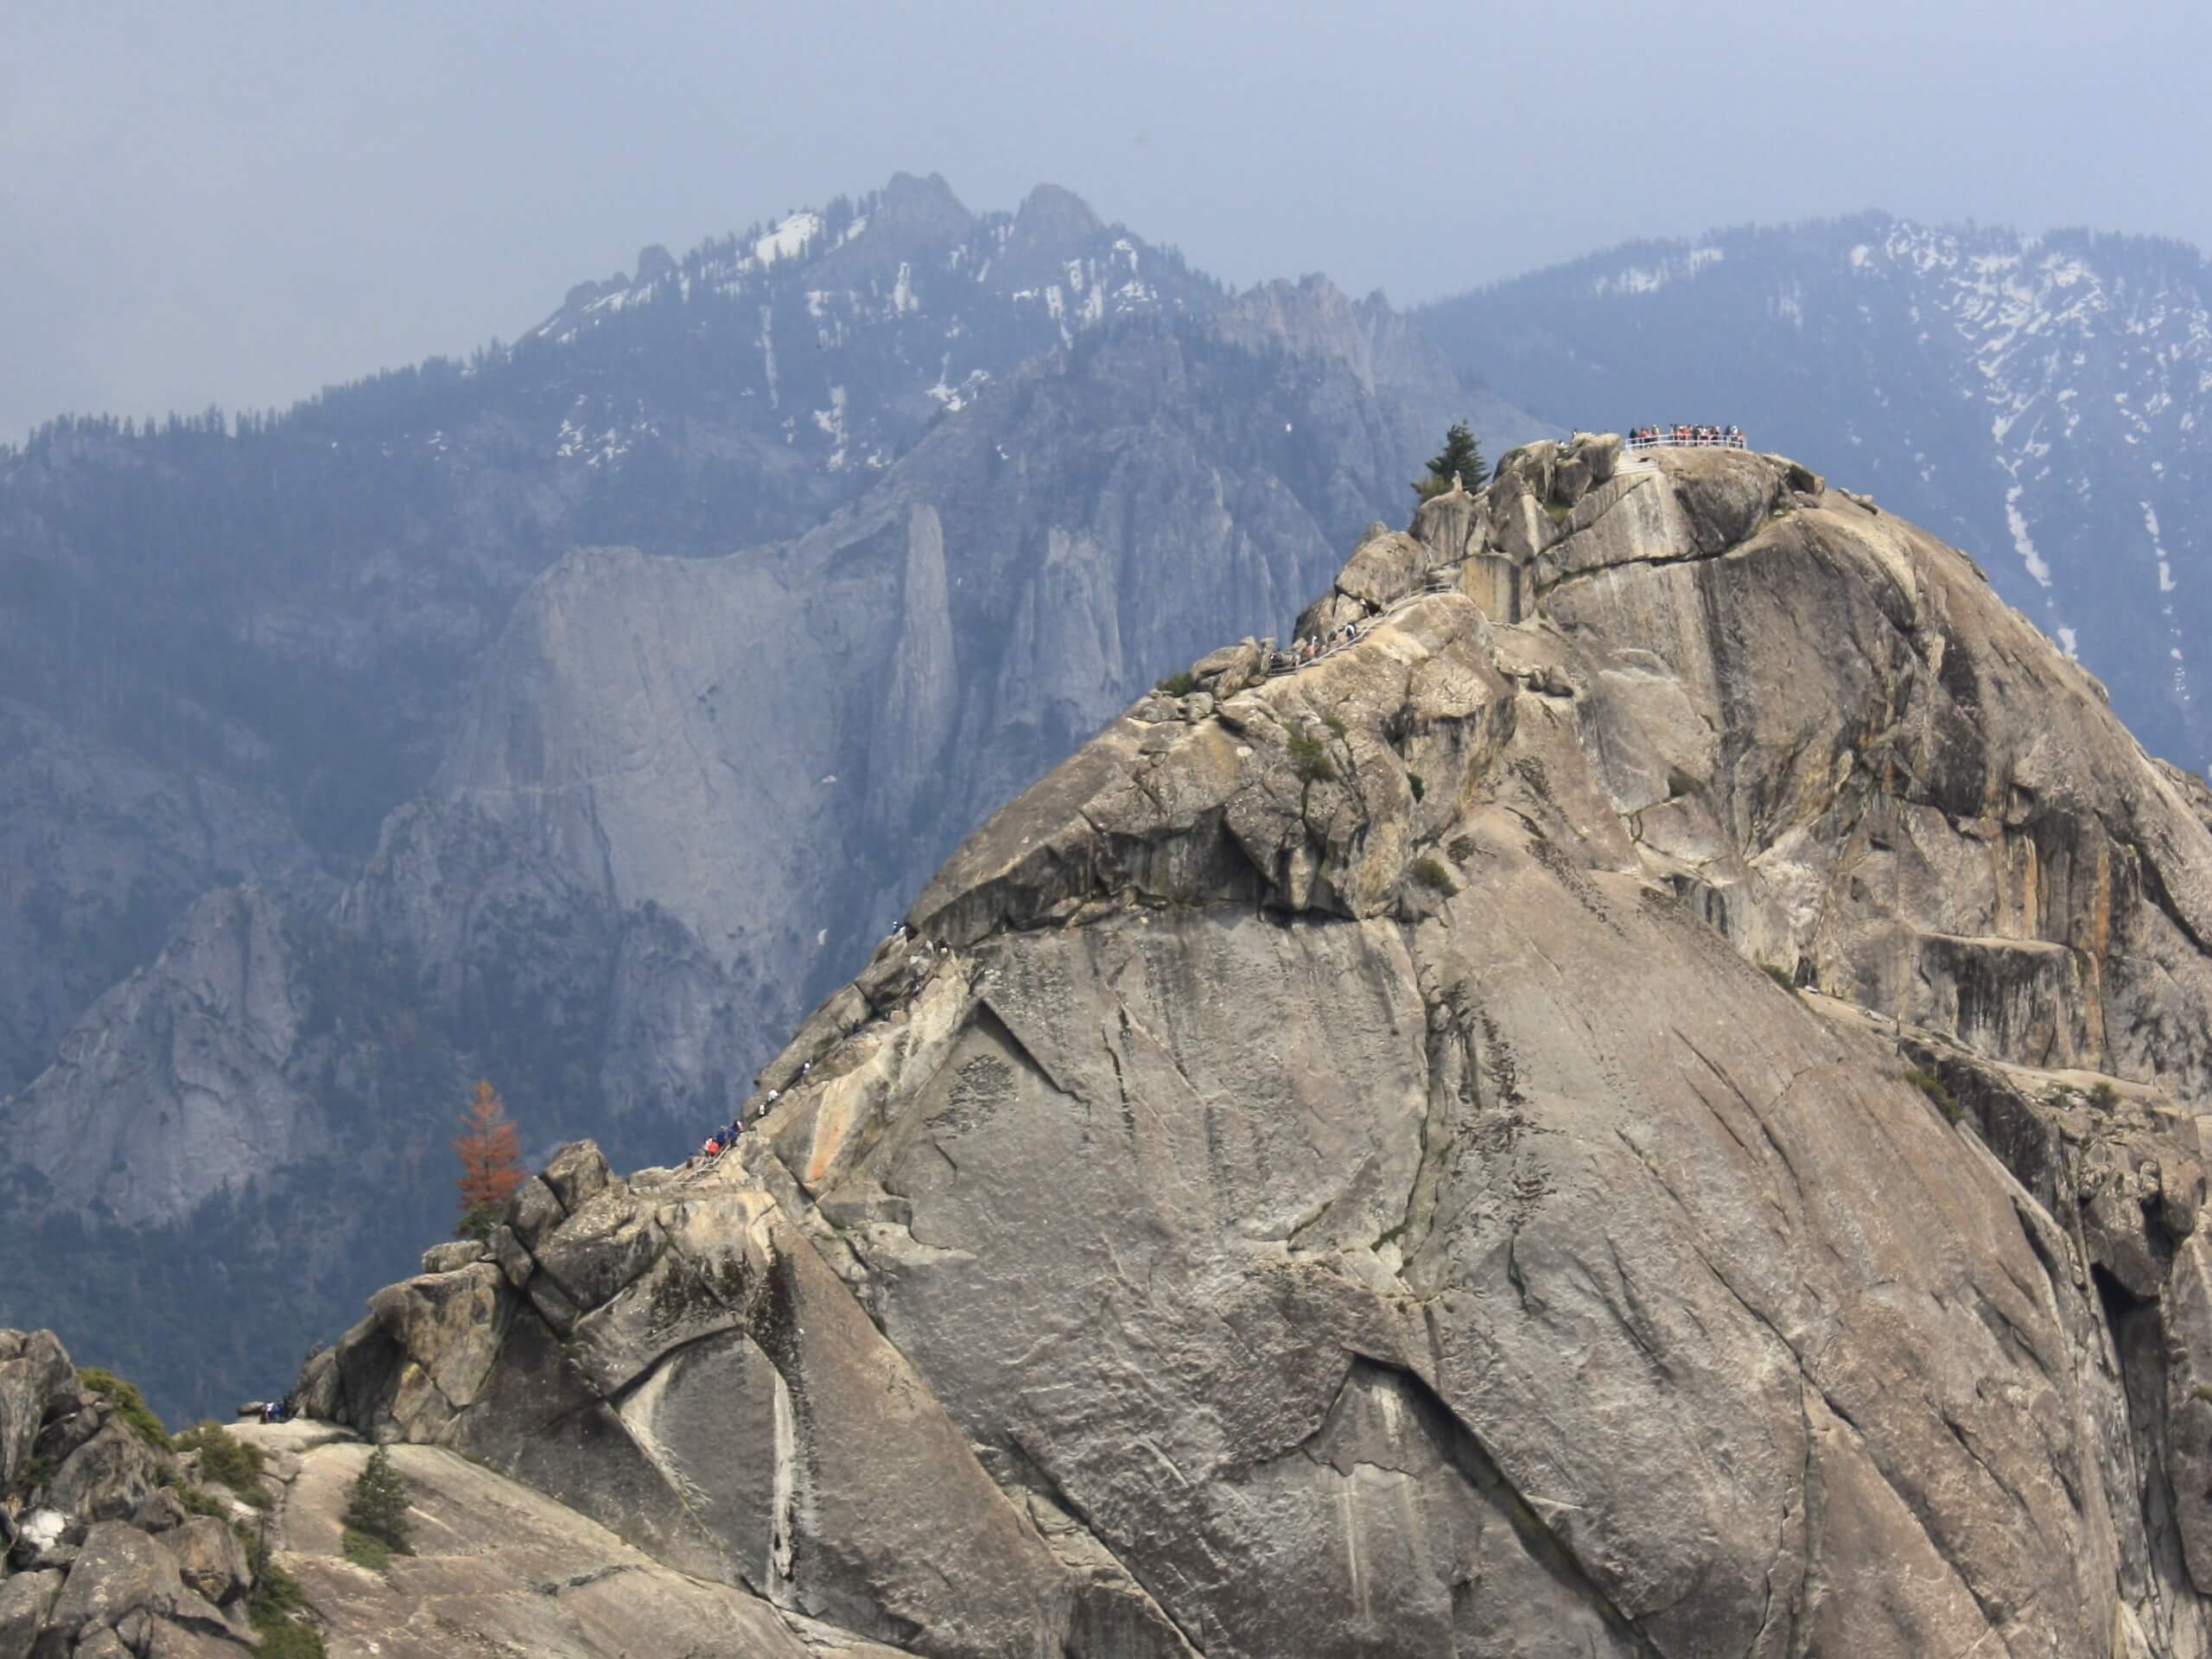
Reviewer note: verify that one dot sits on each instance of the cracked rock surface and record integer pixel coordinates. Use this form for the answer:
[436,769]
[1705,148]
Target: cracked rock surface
[1646,1107]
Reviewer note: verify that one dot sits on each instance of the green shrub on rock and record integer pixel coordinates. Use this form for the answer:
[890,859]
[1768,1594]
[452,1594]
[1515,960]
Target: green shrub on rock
[1310,762]
[1932,1086]
[275,1610]
[1430,871]
[364,1550]
[128,1403]
[223,1457]
[198,1500]
[378,1506]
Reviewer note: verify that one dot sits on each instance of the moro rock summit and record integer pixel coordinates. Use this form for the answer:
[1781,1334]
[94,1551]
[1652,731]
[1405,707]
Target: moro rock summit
[1641,1104]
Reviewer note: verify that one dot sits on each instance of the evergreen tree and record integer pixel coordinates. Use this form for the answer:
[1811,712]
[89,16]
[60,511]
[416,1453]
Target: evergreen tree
[1461,455]
[490,1163]
[378,1504]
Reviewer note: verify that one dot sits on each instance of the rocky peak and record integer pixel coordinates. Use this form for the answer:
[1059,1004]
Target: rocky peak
[920,204]
[1324,1170]
[175,1088]
[910,221]
[1049,213]
[1836,768]
[1049,228]
[1314,318]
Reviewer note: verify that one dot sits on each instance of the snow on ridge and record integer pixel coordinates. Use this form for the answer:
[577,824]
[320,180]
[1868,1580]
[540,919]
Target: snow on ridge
[832,422]
[956,398]
[2167,584]
[1645,279]
[2047,327]
[787,239]
[2023,543]
[597,449]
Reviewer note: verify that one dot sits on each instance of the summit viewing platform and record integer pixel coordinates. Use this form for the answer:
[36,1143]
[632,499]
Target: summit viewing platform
[1687,437]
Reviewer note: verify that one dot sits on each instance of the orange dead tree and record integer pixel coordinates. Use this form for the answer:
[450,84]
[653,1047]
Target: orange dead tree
[491,1161]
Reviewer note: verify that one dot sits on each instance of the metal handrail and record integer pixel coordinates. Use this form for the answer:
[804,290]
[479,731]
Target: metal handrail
[1666,439]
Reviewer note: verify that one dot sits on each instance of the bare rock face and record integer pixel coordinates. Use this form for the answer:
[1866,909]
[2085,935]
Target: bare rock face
[108,1475]
[34,1369]
[184,1067]
[94,1560]
[499,1564]
[26,1598]
[1647,1106]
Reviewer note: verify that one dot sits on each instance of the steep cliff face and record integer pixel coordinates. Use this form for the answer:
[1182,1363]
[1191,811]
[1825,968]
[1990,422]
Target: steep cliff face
[529,775]
[189,1055]
[776,747]
[1325,1171]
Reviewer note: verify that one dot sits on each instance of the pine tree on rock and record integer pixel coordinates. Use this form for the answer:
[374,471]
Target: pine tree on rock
[378,1504]
[491,1162]
[1461,457]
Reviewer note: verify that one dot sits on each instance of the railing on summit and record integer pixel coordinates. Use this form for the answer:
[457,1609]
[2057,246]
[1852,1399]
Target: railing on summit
[1688,437]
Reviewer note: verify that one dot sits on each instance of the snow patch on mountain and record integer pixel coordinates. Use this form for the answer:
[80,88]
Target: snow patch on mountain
[787,239]
[2023,544]
[831,421]
[1647,279]
[2167,584]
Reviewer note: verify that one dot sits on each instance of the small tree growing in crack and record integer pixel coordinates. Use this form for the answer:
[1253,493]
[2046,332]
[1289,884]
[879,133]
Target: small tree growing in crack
[1311,764]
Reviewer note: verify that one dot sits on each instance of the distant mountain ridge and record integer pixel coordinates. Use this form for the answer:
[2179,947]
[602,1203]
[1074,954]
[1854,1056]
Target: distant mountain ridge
[575,715]
[2044,401]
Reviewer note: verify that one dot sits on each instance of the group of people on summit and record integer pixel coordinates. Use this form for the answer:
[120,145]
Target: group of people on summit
[1686,437]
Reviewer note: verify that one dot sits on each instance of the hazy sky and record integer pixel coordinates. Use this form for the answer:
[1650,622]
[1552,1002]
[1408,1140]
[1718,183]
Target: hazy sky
[236,203]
